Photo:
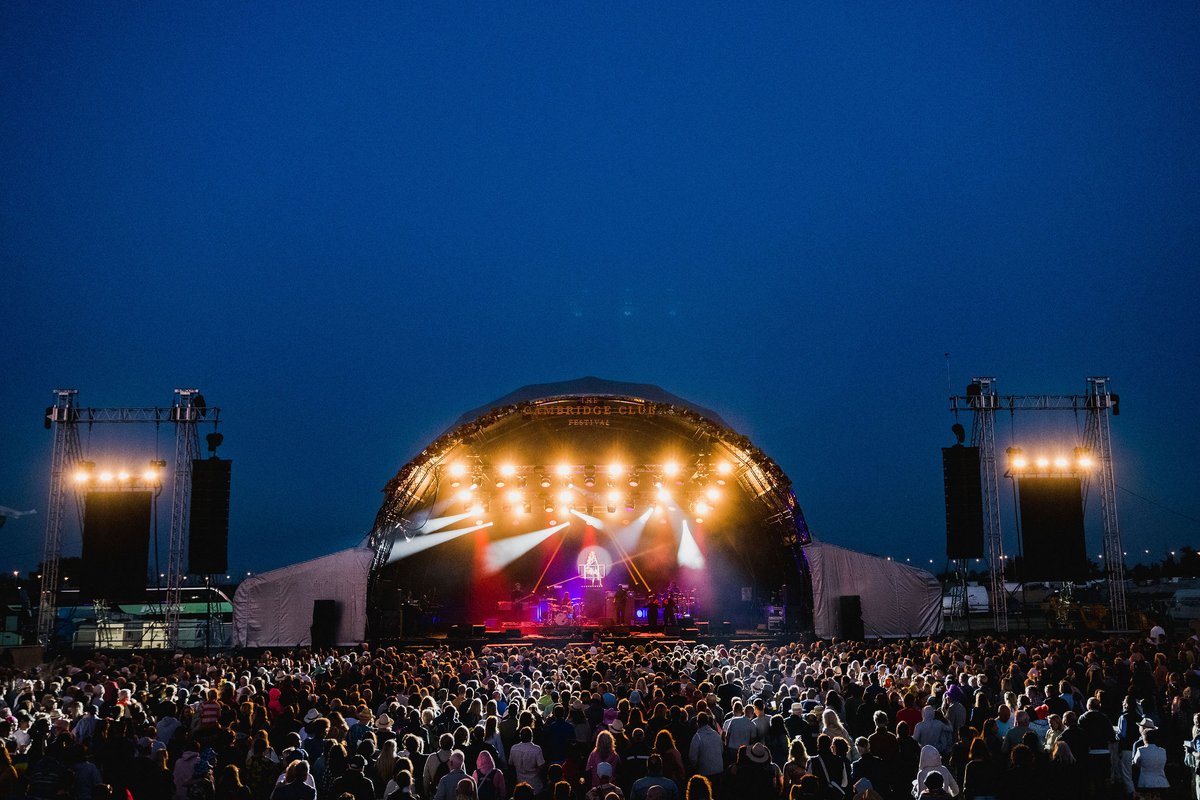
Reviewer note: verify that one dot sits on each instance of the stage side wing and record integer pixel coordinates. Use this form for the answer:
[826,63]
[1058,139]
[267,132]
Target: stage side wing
[275,609]
[897,600]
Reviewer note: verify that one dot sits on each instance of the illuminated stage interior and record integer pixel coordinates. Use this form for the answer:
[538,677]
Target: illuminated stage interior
[534,514]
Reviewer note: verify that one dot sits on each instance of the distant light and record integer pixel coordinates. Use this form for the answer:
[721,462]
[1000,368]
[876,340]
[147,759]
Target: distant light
[670,469]
[123,475]
[1020,462]
[1085,462]
[712,493]
[106,477]
[702,507]
[562,470]
[508,470]
[464,496]
[663,494]
[149,476]
[614,497]
[1042,462]
[81,476]
[457,469]
[615,470]
[565,496]
[1062,462]
[724,467]
[477,509]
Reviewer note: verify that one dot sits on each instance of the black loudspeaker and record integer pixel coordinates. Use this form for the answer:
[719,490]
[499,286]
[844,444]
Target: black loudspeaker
[478,631]
[326,616]
[208,533]
[593,602]
[116,544]
[850,617]
[964,502]
[1052,529]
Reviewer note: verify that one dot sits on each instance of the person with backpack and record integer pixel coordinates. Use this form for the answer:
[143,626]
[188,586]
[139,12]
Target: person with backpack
[438,764]
[489,780]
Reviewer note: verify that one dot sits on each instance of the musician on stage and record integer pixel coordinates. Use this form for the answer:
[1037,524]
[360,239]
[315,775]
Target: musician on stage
[621,598]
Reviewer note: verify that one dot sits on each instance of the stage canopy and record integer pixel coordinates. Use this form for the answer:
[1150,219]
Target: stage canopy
[524,490]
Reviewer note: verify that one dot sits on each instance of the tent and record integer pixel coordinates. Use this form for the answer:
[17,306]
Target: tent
[275,609]
[897,599]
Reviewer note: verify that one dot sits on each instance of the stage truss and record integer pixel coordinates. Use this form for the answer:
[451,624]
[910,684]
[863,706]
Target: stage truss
[64,417]
[982,401]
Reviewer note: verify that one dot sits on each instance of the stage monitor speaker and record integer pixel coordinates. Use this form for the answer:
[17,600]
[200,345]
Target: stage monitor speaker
[208,527]
[478,631]
[850,617]
[702,627]
[1053,547]
[325,618]
[964,502]
[593,602]
[116,544]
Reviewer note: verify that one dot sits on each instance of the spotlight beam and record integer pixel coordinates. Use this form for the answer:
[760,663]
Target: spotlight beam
[505,551]
[406,547]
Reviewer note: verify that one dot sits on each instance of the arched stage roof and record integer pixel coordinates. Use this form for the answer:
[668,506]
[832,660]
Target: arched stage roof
[764,529]
[588,387]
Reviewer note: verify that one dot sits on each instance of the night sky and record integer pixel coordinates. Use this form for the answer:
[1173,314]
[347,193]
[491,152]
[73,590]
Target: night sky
[349,226]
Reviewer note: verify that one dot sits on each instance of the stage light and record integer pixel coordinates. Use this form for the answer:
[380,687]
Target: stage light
[1020,462]
[513,496]
[633,481]
[106,477]
[508,470]
[615,470]
[479,522]
[1062,462]
[463,496]
[589,480]
[565,496]
[1016,458]
[81,476]
[724,467]
[1085,462]
[663,494]
[123,475]
[549,506]
[477,509]
[699,520]
[562,470]
[702,507]
[713,494]
[149,476]
[521,481]
[614,498]
[670,469]
[545,481]
[457,469]
[527,507]
[1042,463]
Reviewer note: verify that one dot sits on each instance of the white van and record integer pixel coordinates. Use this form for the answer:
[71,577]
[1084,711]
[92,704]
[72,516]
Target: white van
[1185,605]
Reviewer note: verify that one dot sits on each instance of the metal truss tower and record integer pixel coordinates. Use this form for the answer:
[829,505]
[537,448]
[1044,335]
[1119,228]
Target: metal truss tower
[64,417]
[1098,439]
[189,405]
[61,417]
[981,397]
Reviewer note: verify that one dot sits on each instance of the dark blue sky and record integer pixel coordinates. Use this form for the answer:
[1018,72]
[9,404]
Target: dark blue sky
[349,226]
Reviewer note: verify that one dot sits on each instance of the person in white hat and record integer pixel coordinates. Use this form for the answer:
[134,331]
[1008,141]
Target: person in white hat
[1152,761]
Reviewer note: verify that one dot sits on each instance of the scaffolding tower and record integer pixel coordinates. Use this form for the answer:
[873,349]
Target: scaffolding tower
[64,417]
[1098,403]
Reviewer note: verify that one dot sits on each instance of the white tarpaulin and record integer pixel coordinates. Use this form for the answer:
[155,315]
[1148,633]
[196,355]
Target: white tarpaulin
[275,609]
[897,600]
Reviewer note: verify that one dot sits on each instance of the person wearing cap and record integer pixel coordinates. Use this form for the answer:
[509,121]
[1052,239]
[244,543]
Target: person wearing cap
[1151,760]
[355,782]
[605,787]
[754,774]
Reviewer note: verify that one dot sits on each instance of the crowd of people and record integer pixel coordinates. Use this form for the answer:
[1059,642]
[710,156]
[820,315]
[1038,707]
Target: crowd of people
[1005,717]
